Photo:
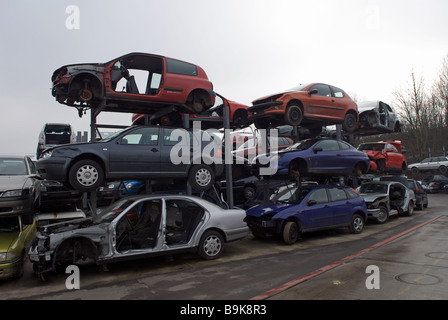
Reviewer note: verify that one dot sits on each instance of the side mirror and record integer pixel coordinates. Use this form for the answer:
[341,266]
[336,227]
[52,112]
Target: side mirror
[312,91]
[316,150]
[311,203]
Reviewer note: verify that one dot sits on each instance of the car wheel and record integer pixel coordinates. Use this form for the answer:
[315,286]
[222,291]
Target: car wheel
[349,124]
[357,224]
[201,177]
[442,169]
[249,193]
[383,215]
[211,245]
[293,115]
[86,175]
[410,211]
[290,232]
[414,171]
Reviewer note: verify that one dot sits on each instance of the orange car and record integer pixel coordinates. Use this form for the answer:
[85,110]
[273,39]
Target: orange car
[309,105]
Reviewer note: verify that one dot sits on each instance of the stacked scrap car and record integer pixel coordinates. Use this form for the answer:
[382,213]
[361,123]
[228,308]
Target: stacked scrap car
[135,82]
[136,227]
[387,198]
[312,105]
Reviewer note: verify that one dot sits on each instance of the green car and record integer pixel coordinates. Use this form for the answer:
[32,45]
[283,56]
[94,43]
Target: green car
[15,240]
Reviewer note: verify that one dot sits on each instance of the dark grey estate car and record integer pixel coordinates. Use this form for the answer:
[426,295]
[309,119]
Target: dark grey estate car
[138,152]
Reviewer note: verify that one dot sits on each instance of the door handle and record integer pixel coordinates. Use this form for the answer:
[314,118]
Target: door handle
[154,149]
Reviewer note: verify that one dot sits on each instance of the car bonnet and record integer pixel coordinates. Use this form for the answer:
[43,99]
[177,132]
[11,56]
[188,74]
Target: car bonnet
[12,182]
[263,209]
[8,240]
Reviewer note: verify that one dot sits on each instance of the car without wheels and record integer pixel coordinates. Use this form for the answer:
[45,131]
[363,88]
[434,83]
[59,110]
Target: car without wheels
[135,82]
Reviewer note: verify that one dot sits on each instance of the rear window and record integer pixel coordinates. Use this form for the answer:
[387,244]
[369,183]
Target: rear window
[180,67]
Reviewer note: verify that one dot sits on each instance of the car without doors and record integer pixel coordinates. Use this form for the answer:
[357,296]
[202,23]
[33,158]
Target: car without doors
[135,82]
[137,227]
[310,105]
[387,198]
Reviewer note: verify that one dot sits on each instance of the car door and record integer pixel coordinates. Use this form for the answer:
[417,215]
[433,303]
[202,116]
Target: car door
[136,154]
[341,205]
[325,157]
[318,213]
[321,104]
[176,151]
[395,158]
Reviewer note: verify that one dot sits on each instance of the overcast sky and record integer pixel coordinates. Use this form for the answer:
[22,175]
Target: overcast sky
[248,48]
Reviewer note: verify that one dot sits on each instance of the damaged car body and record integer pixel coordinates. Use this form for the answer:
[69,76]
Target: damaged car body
[387,198]
[138,227]
[136,82]
[377,117]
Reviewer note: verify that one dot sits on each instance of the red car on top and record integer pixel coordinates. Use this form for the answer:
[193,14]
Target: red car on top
[135,82]
[385,156]
[310,105]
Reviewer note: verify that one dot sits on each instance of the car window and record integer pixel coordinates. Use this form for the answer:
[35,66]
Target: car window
[352,194]
[322,90]
[142,136]
[319,195]
[391,146]
[343,145]
[180,67]
[328,145]
[338,93]
[13,167]
[337,194]
[9,224]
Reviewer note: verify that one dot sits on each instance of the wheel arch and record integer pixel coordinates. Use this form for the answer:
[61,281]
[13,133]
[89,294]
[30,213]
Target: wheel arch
[88,247]
[99,86]
[88,156]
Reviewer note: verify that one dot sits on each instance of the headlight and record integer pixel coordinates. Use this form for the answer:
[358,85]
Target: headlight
[7,256]
[12,193]
[46,154]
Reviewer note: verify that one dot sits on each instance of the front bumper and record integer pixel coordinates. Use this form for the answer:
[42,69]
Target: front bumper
[53,168]
[9,269]
[17,205]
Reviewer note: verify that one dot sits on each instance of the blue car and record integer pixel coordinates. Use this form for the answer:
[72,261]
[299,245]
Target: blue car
[295,210]
[316,157]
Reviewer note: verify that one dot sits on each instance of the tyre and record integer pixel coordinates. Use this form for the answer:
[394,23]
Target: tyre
[211,245]
[383,216]
[350,123]
[443,169]
[410,211]
[293,115]
[356,224]
[201,177]
[249,192]
[290,232]
[86,175]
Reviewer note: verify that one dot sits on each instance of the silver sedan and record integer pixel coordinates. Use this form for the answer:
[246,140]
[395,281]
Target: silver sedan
[136,227]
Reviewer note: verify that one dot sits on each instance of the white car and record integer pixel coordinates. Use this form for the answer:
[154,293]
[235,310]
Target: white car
[136,227]
[432,163]
[387,198]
